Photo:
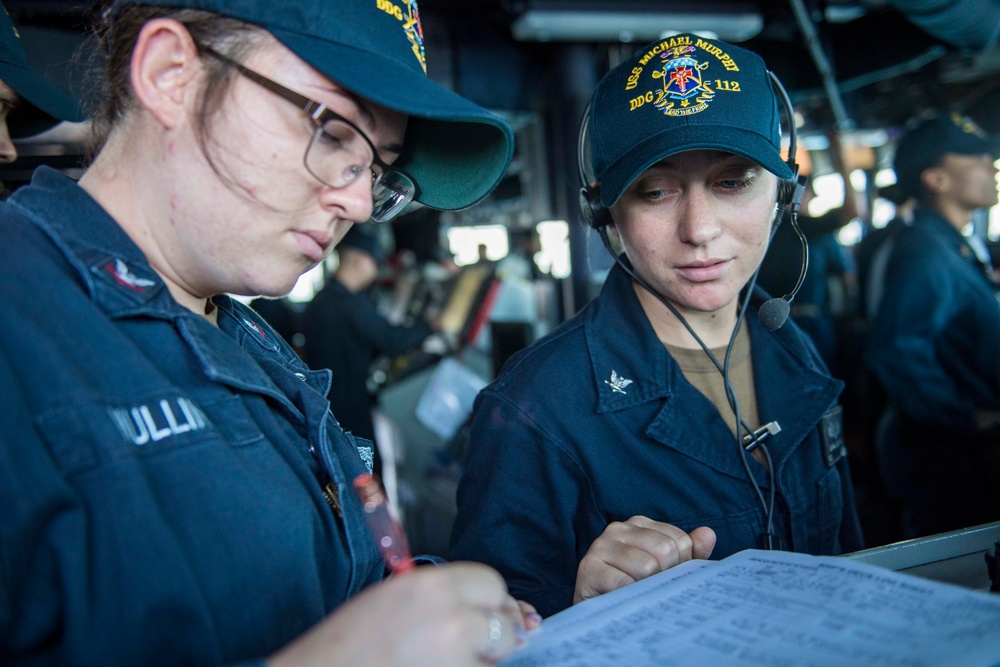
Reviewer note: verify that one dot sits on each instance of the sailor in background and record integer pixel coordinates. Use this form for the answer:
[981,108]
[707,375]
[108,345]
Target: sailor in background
[933,343]
[345,332]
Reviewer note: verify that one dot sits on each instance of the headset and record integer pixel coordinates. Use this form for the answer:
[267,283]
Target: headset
[772,314]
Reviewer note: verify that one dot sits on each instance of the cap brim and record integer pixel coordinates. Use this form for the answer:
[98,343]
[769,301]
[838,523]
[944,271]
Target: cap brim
[975,145]
[750,145]
[43,105]
[454,150]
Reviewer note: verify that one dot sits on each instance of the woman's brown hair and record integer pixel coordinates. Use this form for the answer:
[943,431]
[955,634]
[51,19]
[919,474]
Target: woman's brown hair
[117,33]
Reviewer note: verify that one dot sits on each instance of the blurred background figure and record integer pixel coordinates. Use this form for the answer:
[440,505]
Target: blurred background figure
[933,342]
[520,261]
[871,254]
[345,332]
[28,103]
[865,398]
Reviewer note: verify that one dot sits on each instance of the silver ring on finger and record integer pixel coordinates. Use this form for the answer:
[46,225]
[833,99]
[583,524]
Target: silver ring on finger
[495,626]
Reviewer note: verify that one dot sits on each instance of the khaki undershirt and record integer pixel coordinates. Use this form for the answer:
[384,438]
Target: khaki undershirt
[699,370]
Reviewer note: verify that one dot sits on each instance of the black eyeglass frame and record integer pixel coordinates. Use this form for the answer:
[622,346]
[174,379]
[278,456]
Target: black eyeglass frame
[320,114]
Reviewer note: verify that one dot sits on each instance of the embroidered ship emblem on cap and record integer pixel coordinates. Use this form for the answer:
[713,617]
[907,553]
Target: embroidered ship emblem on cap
[618,383]
[415,33]
[682,81]
[411,26]
[966,125]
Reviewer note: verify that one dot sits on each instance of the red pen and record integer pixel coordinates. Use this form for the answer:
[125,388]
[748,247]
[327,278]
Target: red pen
[385,528]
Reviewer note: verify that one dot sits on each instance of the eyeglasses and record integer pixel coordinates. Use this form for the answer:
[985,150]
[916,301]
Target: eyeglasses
[339,153]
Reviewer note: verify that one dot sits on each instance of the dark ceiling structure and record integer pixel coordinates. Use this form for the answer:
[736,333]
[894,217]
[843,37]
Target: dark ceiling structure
[862,67]
[847,64]
[886,57]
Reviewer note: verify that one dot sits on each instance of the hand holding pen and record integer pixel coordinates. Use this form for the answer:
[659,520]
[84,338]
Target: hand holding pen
[459,614]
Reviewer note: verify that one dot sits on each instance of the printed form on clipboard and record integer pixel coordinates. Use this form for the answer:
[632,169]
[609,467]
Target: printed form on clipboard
[772,608]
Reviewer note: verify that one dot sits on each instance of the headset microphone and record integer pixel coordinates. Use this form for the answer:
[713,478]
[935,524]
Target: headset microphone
[774,312]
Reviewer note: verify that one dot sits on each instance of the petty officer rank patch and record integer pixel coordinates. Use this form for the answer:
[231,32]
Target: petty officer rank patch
[831,432]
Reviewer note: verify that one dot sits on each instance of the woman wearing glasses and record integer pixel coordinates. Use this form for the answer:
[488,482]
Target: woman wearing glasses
[173,487]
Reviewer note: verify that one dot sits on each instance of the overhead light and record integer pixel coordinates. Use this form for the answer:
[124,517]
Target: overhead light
[553,25]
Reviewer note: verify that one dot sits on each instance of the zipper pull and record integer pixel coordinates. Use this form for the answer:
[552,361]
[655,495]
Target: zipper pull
[330,493]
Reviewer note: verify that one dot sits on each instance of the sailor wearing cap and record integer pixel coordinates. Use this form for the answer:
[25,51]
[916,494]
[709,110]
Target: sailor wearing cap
[175,489]
[933,342]
[615,447]
[28,103]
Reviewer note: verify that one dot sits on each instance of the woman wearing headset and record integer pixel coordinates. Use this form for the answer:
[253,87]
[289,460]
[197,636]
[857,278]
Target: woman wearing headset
[610,450]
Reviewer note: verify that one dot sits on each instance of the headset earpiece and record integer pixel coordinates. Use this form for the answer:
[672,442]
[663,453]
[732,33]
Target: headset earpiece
[790,190]
[591,210]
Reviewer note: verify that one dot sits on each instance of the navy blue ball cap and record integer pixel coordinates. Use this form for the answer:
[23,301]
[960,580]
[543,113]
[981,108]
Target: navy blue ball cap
[42,104]
[455,151]
[679,94]
[924,145]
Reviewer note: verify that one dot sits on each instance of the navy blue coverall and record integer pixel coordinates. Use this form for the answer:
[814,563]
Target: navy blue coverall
[935,348]
[561,446]
[161,479]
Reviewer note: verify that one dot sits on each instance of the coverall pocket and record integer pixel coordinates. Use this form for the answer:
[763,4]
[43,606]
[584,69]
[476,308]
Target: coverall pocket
[829,514]
[85,435]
